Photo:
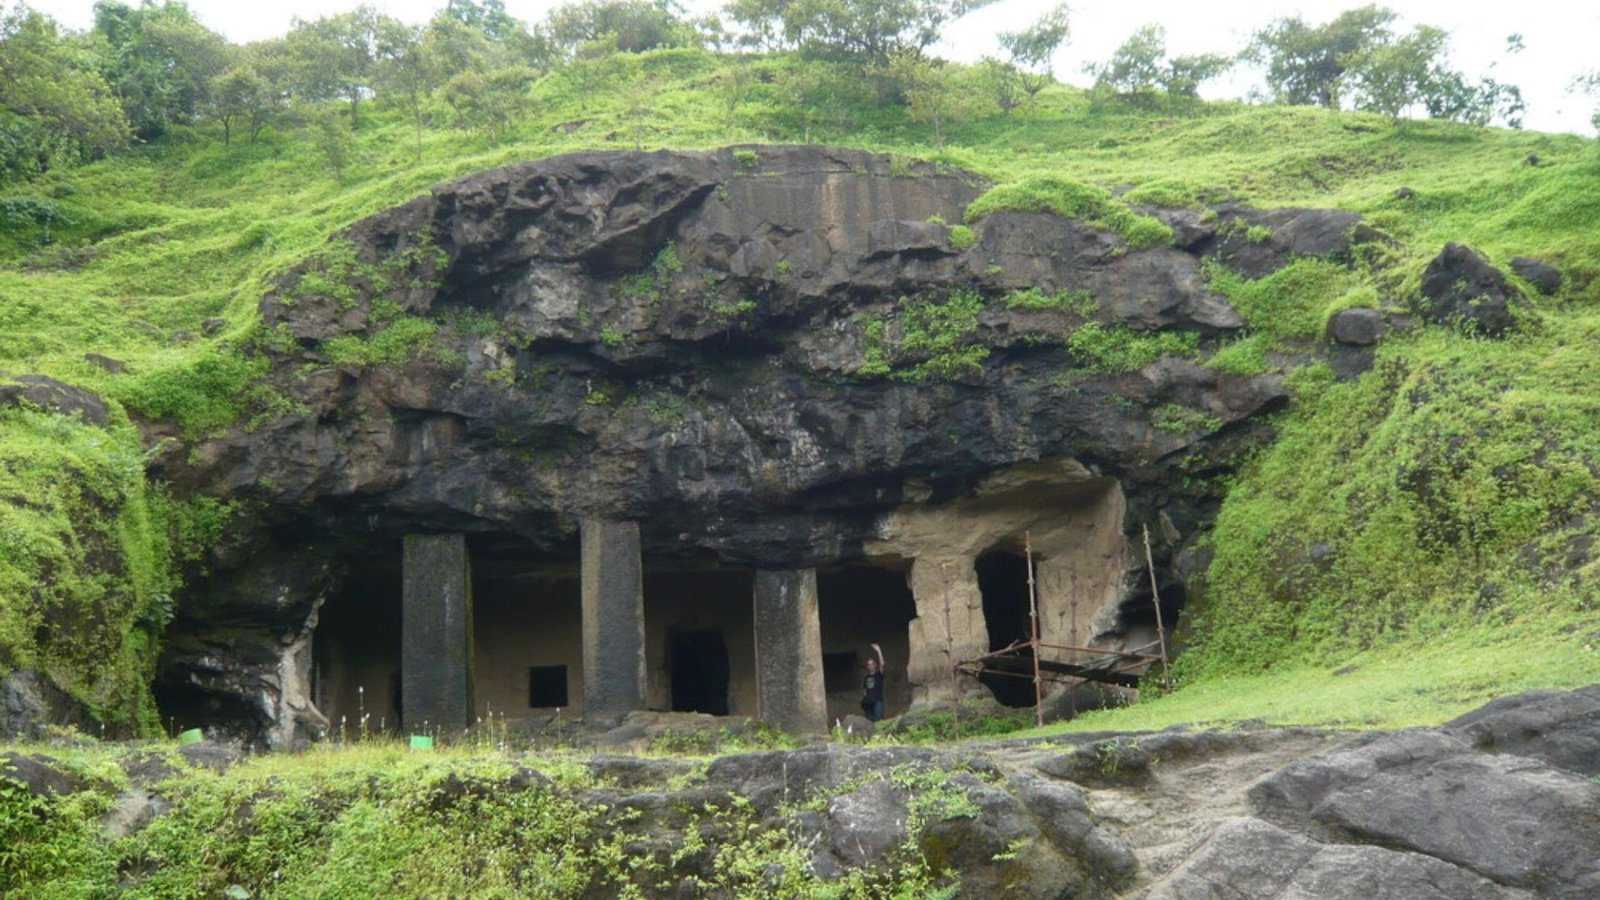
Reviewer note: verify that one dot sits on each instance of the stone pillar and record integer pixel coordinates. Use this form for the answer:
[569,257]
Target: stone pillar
[949,627]
[789,686]
[613,618]
[436,634]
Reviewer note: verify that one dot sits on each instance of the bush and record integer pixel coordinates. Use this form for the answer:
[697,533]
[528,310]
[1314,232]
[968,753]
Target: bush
[1110,349]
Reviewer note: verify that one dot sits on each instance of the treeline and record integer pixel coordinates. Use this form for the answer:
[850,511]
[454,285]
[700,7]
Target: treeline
[67,97]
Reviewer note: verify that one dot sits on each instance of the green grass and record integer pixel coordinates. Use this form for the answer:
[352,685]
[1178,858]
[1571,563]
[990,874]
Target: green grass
[1397,687]
[370,819]
[1448,483]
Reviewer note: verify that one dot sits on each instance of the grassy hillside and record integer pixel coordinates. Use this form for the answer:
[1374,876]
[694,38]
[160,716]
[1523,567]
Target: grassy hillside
[1453,492]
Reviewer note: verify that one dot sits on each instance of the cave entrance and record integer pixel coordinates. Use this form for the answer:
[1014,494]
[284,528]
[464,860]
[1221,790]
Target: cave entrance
[859,605]
[1003,582]
[356,650]
[697,626]
[527,631]
[699,671]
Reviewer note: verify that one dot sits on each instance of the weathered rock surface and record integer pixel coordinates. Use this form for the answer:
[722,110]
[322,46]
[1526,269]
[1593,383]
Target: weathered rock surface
[1248,814]
[1462,288]
[1561,728]
[1357,327]
[43,392]
[747,352]
[1545,278]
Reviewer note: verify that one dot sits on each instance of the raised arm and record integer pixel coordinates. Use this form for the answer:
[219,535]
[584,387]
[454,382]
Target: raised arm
[878,650]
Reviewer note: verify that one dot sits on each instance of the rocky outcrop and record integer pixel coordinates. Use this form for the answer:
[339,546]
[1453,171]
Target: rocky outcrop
[48,394]
[1463,289]
[1498,804]
[762,355]
[1253,813]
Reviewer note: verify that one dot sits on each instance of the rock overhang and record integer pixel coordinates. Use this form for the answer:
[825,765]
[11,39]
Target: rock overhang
[731,343]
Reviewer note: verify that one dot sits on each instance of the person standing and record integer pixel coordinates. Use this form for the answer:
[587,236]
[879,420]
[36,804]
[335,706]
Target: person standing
[872,686]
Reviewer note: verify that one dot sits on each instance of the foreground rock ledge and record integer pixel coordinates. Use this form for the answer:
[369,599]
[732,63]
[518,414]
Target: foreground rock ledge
[1500,804]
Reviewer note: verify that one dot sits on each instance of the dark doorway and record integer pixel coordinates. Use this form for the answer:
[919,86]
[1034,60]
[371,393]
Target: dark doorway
[356,649]
[1003,581]
[547,687]
[859,605]
[699,672]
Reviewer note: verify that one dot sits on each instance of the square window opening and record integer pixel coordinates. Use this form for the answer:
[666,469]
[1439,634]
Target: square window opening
[547,687]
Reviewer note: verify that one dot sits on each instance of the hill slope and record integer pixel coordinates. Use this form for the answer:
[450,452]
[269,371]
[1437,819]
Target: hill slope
[1453,491]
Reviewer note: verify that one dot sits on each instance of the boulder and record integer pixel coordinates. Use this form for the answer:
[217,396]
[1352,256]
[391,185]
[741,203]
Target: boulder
[1464,290]
[1430,793]
[866,824]
[43,392]
[40,775]
[30,701]
[114,366]
[1545,278]
[1356,327]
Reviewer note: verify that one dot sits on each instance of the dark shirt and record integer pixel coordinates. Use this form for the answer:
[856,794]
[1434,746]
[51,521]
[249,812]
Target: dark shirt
[873,686]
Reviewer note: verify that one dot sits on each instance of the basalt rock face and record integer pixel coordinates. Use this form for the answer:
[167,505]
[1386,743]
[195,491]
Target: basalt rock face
[757,354]
[687,339]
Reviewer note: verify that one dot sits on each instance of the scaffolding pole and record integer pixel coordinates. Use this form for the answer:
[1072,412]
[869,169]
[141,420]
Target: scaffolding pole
[950,648]
[1155,597]
[1033,619]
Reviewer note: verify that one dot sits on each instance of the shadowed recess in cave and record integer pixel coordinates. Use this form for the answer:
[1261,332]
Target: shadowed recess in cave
[1003,581]
[858,605]
[527,617]
[356,649]
[698,663]
[698,628]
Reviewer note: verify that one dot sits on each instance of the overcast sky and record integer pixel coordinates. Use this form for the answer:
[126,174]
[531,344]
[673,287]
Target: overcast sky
[1559,39]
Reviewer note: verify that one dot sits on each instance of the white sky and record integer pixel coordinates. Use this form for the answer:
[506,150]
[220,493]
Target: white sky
[1559,35]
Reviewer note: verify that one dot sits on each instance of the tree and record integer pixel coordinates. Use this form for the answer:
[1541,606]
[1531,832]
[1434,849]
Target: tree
[1003,82]
[1139,70]
[1357,61]
[1031,49]
[336,57]
[1306,64]
[159,60]
[1185,74]
[405,71]
[628,26]
[489,18]
[490,26]
[55,106]
[335,140]
[240,97]
[490,103]
[930,98]
[1589,83]
[1135,69]
[871,31]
